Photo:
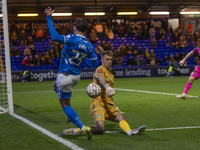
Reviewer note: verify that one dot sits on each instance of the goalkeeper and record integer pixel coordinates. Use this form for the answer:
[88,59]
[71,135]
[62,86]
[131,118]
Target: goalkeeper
[103,106]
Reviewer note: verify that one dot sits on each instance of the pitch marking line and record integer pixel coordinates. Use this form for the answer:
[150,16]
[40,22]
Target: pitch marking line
[161,129]
[153,92]
[46,132]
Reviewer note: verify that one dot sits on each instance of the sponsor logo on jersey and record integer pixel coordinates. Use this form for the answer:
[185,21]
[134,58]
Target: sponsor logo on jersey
[99,116]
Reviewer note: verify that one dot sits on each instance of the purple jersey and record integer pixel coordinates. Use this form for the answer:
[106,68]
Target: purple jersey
[197,51]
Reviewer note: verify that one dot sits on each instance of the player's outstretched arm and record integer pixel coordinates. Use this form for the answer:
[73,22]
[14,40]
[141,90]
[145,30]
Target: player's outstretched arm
[182,62]
[109,90]
[54,34]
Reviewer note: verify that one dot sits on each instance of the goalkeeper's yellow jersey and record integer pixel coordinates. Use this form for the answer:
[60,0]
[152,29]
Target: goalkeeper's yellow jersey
[109,78]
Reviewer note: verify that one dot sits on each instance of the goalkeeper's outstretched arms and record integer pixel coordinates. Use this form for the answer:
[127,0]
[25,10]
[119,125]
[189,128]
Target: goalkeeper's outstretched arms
[54,34]
[109,90]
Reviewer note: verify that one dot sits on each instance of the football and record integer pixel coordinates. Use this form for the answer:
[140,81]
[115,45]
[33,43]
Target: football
[93,90]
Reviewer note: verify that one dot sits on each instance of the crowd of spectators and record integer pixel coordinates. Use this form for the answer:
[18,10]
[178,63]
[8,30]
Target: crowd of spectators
[102,35]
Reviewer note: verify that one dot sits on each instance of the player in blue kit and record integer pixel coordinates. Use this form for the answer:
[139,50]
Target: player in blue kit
[76,49]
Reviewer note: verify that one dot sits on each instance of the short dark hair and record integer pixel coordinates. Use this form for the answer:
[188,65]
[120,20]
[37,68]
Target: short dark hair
[81,24]
[109,53]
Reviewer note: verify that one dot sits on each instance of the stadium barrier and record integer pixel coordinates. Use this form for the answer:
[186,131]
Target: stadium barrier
[118,72]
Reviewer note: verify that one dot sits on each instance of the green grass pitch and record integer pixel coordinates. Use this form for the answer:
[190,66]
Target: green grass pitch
[37,102]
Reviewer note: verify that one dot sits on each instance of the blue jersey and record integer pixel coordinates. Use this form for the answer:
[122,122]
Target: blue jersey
[76,49]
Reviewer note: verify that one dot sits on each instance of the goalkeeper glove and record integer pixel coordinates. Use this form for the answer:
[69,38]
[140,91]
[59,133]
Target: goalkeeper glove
[109,91]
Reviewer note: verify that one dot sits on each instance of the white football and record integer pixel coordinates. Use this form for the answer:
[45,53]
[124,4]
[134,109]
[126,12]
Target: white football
[93,90]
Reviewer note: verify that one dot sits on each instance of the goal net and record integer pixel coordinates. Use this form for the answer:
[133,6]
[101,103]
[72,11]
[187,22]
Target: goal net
[6,99]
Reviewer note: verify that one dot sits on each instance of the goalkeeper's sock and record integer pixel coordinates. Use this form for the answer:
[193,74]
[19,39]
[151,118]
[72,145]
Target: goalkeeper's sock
[73,116]
[187,87]
[124,126]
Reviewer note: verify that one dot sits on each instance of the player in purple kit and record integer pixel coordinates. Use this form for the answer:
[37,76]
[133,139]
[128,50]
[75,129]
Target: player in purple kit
[195,75]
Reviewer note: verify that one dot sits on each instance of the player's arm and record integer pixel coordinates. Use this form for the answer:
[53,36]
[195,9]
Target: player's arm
[92,60]
[109,90]
[190,54]
[54,34]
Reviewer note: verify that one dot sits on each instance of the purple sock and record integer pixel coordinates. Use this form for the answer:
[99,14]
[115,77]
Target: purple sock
[187,87]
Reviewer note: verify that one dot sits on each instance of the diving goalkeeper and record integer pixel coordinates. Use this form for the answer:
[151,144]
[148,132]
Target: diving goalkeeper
[103,107]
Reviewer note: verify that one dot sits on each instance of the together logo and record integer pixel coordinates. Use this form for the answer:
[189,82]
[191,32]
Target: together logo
[43,76]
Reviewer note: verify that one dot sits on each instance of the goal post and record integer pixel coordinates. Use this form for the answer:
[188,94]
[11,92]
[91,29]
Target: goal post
[6,95]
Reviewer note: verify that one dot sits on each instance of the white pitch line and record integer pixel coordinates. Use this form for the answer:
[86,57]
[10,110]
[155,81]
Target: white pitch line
[48,91]
[48,133]
[161,129]
[151,92]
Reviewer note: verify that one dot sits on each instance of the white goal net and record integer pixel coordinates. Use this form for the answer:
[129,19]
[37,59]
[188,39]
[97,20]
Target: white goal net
[6,99]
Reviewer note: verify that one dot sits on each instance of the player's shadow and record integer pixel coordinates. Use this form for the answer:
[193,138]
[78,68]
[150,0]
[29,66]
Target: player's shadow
[190,99]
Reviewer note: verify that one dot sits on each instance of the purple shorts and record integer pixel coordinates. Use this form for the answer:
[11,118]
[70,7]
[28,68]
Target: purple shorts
[196,73]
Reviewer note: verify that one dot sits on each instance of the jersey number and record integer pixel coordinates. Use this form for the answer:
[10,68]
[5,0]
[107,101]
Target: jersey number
[78,57]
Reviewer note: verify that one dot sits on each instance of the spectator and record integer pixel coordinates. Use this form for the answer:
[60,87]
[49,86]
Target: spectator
[47,59]
[30,40]
[153,61]
[139,33]
[146,32]
[148,61]
[140,51]
[146,54]
[118,60]
[166,59]
[196,35]
[27,51]
[41,57]
[32,49]
[31,61]
[130,61]
[161,34]
[52,54]
[132,47]
[93,36]
[37,60]
[120,29]
[190,27]
[23,38]
[177,57]
[172,62]
[115,26]
[153,42]
[110,34]
[99,29]
[33,35]
[158,61]
[99,49]
[182,42]
[15,52]
[152,54]
[138,60]
[25,61]
[14,38]
[40,34]
[168,41]
[152,32]
[128,28]
[51,45]
[71,25]
[105,32]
